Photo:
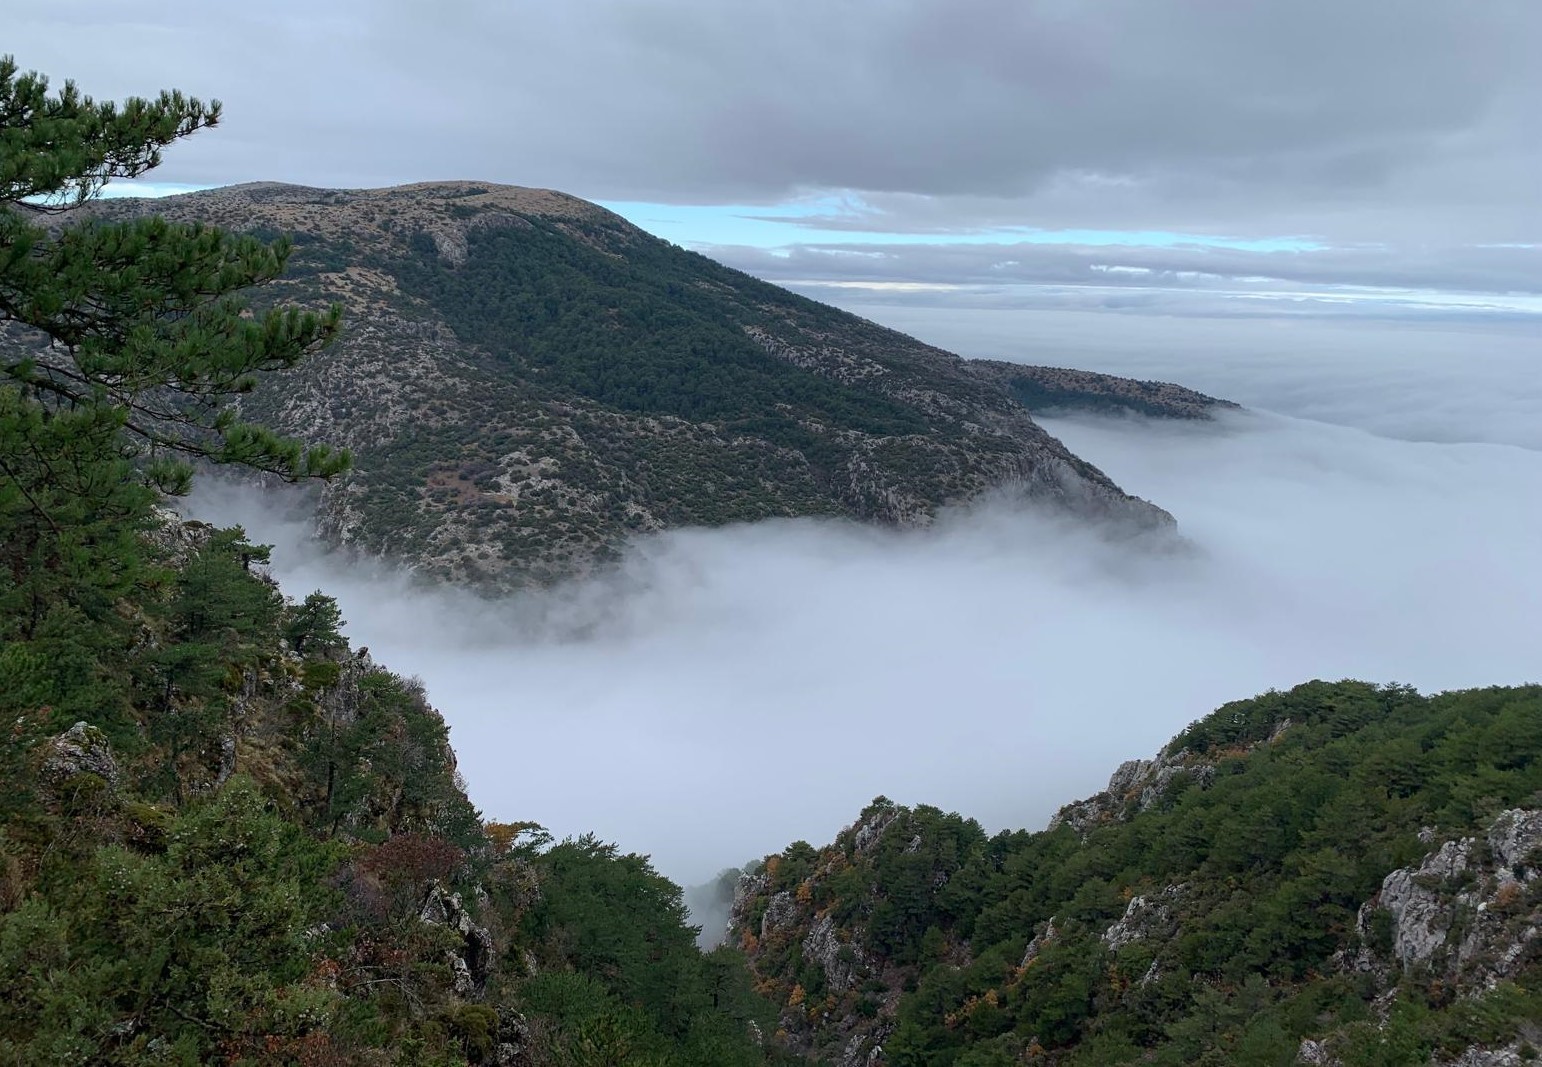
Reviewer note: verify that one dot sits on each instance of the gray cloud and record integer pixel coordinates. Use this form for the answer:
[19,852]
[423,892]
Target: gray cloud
[1357,119]
[1433,269]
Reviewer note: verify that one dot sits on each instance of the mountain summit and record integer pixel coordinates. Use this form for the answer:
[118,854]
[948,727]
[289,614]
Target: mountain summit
[526,379]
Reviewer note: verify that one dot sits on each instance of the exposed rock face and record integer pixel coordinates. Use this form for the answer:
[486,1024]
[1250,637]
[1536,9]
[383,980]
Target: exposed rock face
[1468,914]
[1134,787]
[80,750]
[472,960]
[1038,941]
[843,963]
[176,537]
[780,914]
[1320,1054]
[1146,916]
[486,455]
[1315,1054]
[852,1013]
[1471,910]
[1509,1056]
[1515,841]
[865,834]
[1421,909]
[865,1049]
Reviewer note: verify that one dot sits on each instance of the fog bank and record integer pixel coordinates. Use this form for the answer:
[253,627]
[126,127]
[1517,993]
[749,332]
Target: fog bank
[741,688]
[1424,379]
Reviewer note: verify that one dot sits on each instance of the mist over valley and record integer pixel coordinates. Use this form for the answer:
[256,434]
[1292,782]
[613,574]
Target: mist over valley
[760,683]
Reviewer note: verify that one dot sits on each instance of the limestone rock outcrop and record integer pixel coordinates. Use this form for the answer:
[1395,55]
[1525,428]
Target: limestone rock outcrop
[470,961]
[80,750]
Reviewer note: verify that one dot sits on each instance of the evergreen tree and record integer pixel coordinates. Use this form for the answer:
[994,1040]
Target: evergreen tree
[315,625]
[139,323]
[122,348]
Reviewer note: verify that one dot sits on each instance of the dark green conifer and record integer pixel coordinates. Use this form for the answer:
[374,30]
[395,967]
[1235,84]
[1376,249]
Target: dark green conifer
[145,322]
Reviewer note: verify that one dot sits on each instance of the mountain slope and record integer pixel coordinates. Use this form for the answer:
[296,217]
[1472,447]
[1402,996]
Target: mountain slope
[527,378]
[1342,873]
[227,838]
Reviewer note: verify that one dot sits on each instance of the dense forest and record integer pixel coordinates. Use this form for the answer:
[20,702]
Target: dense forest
[1220,904]
[646,334]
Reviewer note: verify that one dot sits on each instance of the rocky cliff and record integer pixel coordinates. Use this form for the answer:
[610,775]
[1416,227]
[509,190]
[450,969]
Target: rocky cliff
[228,838]
[526,379]
[1342,874]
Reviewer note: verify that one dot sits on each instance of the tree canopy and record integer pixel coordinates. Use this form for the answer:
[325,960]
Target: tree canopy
[225,837]
[137,326]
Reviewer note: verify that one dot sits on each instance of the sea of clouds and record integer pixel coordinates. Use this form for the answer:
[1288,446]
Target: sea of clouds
[1377,515]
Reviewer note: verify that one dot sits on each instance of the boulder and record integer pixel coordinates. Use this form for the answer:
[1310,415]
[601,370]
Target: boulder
[80,750]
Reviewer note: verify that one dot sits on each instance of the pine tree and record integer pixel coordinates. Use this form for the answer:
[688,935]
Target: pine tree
[315,625]
[123,346]
[140,323]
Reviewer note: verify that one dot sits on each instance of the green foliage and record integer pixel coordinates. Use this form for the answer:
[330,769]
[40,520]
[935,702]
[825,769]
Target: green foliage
[62,149]
[630,923]
[639,334]
[639,989]
[71,523]
[240,866]
[1284,814]
[198,945]
[221,625]
[315,625]
[147,337]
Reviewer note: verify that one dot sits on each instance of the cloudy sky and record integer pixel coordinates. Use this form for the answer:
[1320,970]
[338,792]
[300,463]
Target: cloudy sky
[1379,154]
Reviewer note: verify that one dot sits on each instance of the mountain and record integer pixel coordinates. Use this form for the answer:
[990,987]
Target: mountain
[1341,874]
[227,837]
[527,378]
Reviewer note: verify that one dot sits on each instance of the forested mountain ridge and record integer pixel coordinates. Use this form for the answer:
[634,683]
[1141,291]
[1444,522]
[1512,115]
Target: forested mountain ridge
[226,837]
[1342,874]
[524,379]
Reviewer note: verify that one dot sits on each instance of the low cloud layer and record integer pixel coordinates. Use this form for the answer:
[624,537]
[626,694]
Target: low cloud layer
[1375,278]
[1420,378]
[742,688]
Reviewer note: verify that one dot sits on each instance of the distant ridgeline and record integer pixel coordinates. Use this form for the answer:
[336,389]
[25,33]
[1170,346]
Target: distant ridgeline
[1050,390]
[1340,874]
[526,378]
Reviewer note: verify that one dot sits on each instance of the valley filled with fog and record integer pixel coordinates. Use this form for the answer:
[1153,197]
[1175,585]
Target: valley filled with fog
[1376,515]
